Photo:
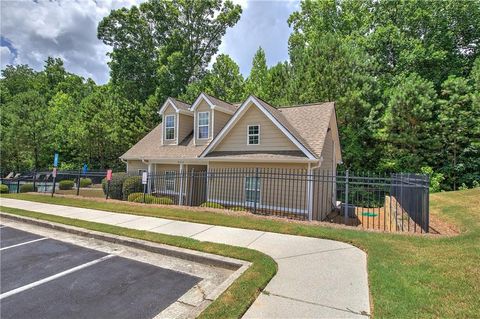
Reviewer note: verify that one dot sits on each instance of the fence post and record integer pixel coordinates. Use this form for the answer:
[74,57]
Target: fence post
[78,182]
[256,193]
[18,186]
[145,189]
[34,180]
[346,198]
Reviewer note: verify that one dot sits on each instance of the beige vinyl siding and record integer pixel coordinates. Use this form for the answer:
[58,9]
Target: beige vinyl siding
[185,126]
[220,119]
[226,185]
[271,138]
[134,165]
[169,111]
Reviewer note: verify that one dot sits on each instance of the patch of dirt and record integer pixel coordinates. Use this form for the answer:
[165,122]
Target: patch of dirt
[441,227]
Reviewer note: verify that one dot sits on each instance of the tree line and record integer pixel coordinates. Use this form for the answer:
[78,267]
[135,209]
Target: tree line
[405,76]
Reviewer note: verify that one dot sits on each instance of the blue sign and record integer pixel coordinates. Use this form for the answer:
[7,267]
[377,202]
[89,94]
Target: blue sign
[55,160]
[85,169]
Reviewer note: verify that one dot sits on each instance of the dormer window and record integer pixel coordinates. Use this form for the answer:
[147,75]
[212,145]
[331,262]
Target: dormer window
[203,127]
[170,127]
[253,134]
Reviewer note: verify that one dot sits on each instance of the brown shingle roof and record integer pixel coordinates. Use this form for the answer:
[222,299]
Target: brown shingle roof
[286,155]
[311,122]
[181,105]
[307,123]
[150,147]
[220,103]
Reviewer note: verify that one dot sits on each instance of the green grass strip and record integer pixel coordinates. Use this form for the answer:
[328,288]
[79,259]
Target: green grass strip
[232,303]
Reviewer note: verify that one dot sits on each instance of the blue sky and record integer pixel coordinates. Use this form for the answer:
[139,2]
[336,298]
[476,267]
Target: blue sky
[33,30]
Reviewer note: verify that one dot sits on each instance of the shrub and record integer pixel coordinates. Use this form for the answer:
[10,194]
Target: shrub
[435,179]
[150,199]
[237,209]
[134,196]
[212,205]
[116,185]
[25,188]
[66,184]
[85,182]
[131,185]
[3,189]
[463,187]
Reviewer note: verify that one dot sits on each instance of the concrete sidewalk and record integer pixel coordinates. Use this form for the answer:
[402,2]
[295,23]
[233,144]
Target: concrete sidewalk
[316,278]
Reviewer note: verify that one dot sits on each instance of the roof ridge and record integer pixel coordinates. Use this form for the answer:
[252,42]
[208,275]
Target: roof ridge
[217,98]
[303,105]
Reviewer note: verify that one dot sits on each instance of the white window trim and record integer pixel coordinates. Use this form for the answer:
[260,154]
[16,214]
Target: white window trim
[174,180]
[259,183]
[198,126]
[174,127]
[248,134]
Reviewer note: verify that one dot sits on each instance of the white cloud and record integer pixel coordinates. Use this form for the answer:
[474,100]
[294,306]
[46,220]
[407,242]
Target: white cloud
[68,29]
[6,57]
[65,29]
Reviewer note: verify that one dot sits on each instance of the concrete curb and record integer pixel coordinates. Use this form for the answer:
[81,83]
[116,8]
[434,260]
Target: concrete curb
[171,251]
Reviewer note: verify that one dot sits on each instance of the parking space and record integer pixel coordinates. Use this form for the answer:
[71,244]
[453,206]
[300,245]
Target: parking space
[48,278]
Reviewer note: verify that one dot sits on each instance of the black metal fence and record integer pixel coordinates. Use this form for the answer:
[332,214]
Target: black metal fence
[394,202]
[42,181]
[388,202]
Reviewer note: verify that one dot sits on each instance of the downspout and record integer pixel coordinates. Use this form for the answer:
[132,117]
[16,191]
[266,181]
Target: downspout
[310,187]
[180,197]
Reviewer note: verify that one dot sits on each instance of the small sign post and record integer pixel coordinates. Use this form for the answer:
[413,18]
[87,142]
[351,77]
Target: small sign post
[54,173]
[109,178]
[144,182]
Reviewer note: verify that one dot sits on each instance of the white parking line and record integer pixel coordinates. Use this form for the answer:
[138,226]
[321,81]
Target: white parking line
[61,274]
[24,243]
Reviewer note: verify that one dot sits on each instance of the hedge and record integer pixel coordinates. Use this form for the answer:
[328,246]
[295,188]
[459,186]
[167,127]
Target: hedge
[116,185]
[131,185]
[133,197]
[150,199]
[3,189]
[66,184]
[212,205]
[85,182]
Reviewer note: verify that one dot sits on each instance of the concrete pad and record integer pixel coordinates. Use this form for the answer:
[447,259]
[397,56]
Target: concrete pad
[334,278]
[282,245]
[181,228]
[270,306]
[145,223]
[229,236]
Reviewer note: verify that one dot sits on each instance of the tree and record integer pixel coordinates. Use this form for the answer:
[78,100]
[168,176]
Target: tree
[161,46]
[408,131]
[256,82]
[458,127]
[224,81]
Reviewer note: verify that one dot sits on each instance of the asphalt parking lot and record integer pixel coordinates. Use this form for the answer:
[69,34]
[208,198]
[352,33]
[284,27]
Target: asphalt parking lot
[47,278]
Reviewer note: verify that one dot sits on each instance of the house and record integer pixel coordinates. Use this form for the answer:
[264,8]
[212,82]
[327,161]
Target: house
[213,135]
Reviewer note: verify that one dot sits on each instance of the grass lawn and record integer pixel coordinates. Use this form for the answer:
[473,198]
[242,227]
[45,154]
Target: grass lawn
[410,276]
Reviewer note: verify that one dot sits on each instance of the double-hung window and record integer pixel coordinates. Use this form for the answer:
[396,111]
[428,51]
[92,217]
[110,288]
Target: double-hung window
[252,189]
[170,177]
[253,134]
[203,125]
[170,127]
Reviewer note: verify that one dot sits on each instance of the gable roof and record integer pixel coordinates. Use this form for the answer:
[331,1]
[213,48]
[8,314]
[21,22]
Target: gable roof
[178,105]
[150,147]
[311,122]
[307,124]
[274,115]
[213,102]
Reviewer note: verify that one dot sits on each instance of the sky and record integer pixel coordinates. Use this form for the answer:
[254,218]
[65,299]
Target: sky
[30,31]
